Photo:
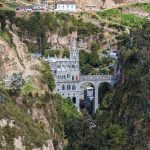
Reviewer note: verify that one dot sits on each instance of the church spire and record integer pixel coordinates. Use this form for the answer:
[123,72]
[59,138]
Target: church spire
[74,53]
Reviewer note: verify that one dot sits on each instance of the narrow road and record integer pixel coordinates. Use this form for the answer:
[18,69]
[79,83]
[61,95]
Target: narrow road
[97,22]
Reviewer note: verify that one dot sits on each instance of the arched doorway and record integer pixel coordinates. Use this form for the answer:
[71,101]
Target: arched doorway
[87,97]
[74,100]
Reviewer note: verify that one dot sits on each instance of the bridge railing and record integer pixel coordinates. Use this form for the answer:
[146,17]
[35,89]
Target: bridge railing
[97,77]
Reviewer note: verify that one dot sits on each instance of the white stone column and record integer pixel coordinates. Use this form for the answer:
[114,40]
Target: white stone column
[96,99]
[78,101]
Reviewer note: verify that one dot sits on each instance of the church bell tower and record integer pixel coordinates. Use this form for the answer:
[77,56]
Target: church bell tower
[74,52]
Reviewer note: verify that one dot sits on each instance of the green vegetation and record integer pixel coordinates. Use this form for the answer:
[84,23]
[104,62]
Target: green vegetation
[69,109]
[38,25]
[14,5]
[47,76]
[26,127]
[6,15]
[29,87]
[90,63]
[5,35]
[123,115]
[2,0]
[129,95]
[144,6]
[66,53]
[51,53]
[116,16]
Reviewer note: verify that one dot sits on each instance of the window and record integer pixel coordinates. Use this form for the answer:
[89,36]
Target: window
[77,77]
[68,87]
[73,87]
[63,87]
[74,100]
[68,75]
[72,77]
[63,76]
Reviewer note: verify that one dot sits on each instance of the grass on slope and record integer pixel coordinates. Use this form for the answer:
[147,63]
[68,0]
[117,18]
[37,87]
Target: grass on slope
[143,6]
[29,87]
[14,5]
[117,16]
[68,108]
[5,35]
[26,127]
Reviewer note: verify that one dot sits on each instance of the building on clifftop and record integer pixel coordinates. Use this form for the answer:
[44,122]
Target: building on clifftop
[66,6]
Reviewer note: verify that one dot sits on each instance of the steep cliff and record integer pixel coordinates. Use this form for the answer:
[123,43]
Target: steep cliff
[30,116]
[127,111]
[107,3]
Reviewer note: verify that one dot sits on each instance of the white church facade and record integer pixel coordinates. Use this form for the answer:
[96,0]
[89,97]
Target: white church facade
[69,80]
[67,74]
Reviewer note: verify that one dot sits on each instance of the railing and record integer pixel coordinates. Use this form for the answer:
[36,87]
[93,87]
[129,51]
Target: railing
[97,77]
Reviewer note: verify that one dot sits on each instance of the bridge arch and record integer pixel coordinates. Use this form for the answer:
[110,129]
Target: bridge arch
[96,81]
[103,89]
[87,97]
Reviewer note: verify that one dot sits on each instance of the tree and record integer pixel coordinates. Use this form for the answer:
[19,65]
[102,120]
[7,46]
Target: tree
[95,46]
[94,59]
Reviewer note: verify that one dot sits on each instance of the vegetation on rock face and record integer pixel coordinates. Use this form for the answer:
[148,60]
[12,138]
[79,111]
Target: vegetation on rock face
[144,6]
[6,15]
[128,104]
[122,121]
[47,76]
[7,37]
[32,132]
[38,25]
[115,15]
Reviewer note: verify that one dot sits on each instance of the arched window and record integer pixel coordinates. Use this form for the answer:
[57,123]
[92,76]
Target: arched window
[63,87]
[68,87]
[73,87]
[68,75]
[72,77]
[77,77]
[74,100]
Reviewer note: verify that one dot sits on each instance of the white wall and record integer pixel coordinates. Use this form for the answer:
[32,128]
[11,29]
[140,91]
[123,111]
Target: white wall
[66,7]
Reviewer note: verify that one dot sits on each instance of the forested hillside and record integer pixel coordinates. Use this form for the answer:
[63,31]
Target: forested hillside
[122,121]
[34,117]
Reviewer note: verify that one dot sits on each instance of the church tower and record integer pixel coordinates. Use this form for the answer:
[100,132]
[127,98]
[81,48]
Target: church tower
[74,52]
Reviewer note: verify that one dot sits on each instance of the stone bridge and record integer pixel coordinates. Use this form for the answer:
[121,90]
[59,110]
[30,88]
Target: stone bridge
[96,80]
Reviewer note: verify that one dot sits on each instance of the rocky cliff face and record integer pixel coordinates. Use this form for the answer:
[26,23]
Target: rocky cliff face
[25,123]
[106,3]
[129,106]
